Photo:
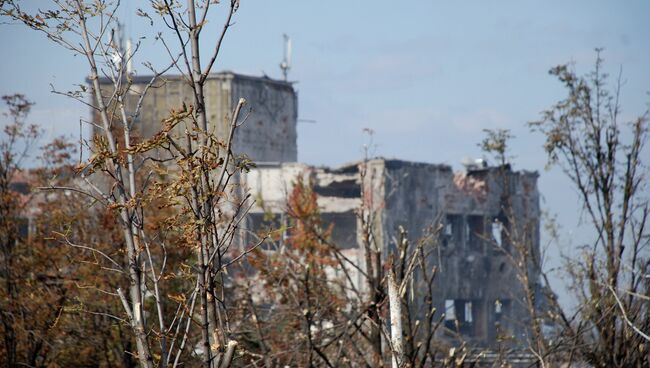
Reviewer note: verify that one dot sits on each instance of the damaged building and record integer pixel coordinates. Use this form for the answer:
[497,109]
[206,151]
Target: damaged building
[477,292]
[476,286]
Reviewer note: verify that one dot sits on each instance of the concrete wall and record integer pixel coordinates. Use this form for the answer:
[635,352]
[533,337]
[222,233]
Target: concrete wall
[424,198]
[270,184]
[269,133]
[472,268]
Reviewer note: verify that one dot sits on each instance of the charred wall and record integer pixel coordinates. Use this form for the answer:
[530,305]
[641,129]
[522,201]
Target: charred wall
[476,290]
[476,284]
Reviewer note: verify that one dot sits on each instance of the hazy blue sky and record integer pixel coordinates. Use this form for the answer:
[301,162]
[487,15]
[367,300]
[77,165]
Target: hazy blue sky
[426,76]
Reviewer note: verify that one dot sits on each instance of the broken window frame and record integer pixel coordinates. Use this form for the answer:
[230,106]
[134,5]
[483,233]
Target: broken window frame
[344,228]
[475,232]
[496,230]
[503,243]
[500,311]
[466,323]
[450,310]
[259,223]
[467,314]
[450,314]
[452,236]
[460,315]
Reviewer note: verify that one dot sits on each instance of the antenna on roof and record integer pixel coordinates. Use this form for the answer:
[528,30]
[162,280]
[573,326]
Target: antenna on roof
[122,49]
[117,36]
[129,56]
[285,65]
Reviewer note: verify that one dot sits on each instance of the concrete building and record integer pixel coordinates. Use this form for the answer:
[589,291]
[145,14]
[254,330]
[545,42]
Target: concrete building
[476,283]
[269,133]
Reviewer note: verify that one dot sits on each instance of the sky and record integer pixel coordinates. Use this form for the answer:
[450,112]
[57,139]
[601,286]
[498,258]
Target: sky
[426,76]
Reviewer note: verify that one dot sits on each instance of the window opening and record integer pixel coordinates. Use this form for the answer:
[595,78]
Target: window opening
[452,232]
[475,232]
[468,312]
[498,307]
[501,309]
[23,228]
[448,230]
[497,229]
[500,233]
[450,310]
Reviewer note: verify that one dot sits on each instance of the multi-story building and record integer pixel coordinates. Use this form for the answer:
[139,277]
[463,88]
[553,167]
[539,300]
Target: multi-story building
[477,288]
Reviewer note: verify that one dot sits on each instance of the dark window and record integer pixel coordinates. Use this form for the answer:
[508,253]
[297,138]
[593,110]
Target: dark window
[343,225]
[23,228]
[476,233]
[465,316]
[344,189]
[261,224]
[344,228]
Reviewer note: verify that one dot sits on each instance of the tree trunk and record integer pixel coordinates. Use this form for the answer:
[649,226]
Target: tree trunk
[396,336]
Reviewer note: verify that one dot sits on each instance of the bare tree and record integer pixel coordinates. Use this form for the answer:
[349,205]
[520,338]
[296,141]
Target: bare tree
[537,298]
[602,156]
[126,176]
[17,140]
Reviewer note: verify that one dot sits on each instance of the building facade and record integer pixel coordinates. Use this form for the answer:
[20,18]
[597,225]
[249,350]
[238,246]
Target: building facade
[477,291]
[269,132]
